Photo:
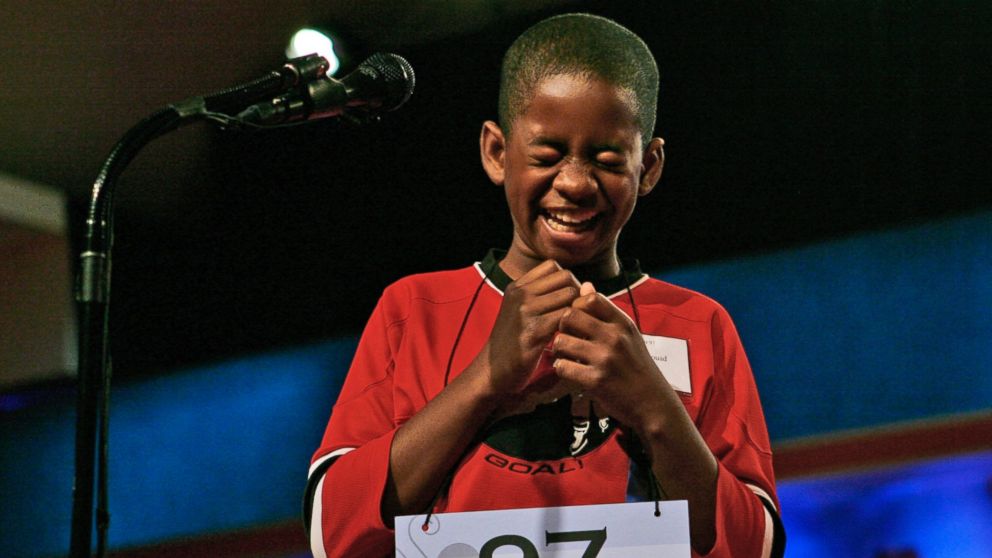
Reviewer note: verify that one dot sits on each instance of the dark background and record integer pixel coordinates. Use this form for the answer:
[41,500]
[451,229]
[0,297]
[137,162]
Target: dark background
[785,124]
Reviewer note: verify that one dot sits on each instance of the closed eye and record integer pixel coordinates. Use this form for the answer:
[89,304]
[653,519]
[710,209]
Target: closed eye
[611,160]
[544,157]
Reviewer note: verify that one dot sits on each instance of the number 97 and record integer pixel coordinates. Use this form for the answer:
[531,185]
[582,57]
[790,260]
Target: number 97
[596,541]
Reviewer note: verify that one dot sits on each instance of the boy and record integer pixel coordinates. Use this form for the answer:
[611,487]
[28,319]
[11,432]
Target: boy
[530,379]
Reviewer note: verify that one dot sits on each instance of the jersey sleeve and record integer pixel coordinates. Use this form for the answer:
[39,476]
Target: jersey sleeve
[733,425]
[348,472]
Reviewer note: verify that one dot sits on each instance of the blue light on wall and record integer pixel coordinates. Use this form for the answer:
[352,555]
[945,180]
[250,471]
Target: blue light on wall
[937,509]
[216,448]
[873,329]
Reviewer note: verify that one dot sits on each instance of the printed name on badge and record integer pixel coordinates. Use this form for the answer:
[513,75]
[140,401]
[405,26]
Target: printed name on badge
[671,356]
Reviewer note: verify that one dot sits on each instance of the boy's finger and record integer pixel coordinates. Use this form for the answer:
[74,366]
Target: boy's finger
[553,281]
[572,348]
[558,299]
[575,372]
[599,307]
[587,288]
[546,325]
[540,270]
[579,323]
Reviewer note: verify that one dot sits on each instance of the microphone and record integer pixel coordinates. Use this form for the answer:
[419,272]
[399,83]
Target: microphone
[381,83]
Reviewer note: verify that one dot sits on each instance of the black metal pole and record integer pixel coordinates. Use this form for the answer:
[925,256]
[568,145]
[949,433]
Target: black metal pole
[93,300]
[92,350]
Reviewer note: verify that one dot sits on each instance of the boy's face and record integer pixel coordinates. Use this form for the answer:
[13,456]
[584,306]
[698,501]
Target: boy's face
[572,170]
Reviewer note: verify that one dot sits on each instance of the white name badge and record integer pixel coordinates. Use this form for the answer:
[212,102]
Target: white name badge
[671,355]
[609,530]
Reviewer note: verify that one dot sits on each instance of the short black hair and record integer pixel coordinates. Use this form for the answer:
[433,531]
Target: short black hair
[579,44]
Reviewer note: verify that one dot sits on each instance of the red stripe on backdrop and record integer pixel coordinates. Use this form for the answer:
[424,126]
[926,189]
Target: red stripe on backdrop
[885,445]
[278,540]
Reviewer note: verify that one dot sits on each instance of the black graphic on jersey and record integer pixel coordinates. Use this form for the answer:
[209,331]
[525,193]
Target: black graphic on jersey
[550,432]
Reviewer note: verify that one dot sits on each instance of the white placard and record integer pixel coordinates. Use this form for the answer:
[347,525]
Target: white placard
[671,355]
[609,530]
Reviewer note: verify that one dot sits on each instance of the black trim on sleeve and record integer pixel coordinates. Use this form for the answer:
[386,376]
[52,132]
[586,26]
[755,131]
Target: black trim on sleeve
[778,534]
[311,490]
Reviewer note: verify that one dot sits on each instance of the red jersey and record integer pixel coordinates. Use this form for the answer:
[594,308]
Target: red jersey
[559,454]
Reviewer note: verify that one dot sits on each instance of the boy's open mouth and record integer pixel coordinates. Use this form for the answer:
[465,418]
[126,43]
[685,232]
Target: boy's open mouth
[569,223]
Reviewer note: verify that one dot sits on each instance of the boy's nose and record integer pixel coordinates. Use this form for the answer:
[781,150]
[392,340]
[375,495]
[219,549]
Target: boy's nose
[575,182]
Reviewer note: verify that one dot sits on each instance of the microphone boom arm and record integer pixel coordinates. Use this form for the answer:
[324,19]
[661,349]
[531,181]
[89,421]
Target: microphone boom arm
[92,290]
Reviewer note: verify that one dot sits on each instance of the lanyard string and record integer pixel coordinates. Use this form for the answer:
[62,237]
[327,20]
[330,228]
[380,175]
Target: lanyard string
[656,493]
[447,374]
[475,296]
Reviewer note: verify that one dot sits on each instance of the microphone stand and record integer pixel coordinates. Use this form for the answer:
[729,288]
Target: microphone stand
[93,284]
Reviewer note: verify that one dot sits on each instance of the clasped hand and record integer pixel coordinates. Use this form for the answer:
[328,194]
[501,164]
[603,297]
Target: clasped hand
[595,348]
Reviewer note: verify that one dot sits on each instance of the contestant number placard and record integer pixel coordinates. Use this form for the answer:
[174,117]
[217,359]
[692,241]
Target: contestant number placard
[604,531]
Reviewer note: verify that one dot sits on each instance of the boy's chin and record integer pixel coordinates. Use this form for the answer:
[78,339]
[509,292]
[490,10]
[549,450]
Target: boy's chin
[572,256]
[583,249]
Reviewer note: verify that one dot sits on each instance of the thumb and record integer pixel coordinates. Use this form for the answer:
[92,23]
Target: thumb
[586,288]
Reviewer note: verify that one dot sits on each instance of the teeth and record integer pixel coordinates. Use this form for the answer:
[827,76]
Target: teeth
[565,218]
[567,223]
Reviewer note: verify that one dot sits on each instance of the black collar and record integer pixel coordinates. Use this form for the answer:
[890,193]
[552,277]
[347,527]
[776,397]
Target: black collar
[630,273]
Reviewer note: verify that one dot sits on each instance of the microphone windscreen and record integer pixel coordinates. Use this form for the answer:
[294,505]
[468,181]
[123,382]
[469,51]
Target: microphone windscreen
[396,75]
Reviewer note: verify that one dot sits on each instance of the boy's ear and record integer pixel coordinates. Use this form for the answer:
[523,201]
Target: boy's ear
[651,166]
[492,147]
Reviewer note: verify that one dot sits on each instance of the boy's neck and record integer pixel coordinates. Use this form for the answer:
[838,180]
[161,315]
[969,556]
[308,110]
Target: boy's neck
[516,264]
[503,268]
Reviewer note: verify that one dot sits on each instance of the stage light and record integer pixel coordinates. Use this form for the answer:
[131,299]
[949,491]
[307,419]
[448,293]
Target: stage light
[308,41]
